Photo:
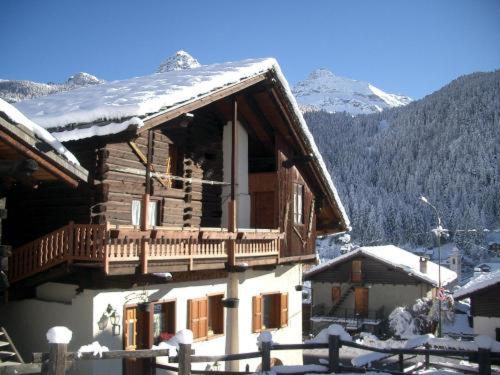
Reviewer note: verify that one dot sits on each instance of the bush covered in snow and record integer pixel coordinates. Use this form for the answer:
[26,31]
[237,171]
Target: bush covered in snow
[421,318]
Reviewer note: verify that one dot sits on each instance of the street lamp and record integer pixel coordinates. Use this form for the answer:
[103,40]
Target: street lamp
[438,232]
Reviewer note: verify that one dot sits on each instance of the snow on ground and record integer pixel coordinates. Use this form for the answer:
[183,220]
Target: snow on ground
[482,281]
[16,117]
[459,326]
[397,257]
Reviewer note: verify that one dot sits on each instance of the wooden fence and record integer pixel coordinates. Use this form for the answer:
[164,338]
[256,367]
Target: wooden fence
[56,361]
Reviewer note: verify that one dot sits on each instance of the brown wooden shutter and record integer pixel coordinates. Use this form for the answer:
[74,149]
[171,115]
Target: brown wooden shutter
[193,317]
[257,314]
[284,310]
[203,316]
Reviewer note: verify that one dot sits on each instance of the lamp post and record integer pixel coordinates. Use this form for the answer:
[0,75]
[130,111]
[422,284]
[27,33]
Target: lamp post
[438,231]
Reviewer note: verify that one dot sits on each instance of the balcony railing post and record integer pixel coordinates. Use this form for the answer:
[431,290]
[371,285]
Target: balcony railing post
[70,230]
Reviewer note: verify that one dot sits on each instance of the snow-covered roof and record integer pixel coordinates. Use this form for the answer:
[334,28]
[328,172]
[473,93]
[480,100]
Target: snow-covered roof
[396,257]
[478,283]
[14,116]
[113,107]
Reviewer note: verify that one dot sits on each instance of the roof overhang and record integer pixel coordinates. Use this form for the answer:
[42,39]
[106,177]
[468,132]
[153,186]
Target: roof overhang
[22,143]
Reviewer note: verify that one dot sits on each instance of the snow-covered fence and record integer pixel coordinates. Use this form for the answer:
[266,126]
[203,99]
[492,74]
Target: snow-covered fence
[333,338]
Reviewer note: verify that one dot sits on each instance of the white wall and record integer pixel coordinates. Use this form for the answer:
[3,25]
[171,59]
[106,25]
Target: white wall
[29,320]
[243,197]
[486,326]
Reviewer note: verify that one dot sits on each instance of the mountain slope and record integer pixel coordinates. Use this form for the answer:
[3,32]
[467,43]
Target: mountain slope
[445,147]
[323,90]
[14,91]
[181,60]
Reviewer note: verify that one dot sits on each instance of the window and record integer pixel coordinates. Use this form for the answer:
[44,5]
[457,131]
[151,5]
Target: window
[206,316]
[163,321]
[269,311]
[298,203]
[152,214]
[356,271]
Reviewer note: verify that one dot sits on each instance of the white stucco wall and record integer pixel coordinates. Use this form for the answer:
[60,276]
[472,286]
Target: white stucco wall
[386,295]
[486,326]
[29,320]
[243,197]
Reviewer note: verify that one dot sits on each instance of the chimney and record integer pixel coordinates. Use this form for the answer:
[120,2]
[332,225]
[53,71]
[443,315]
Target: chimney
[423,264]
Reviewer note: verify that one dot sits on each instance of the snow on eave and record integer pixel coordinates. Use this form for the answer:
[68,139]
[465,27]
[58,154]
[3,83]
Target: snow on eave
[481,282]
[447,275]
[308,138]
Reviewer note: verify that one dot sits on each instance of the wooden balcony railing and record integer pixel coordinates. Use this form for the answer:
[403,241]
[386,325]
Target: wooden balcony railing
[106,246]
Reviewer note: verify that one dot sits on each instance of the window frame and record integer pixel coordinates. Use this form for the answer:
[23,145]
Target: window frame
[190,319]
[152,312]
[298,204]
[281,315]
[159,209]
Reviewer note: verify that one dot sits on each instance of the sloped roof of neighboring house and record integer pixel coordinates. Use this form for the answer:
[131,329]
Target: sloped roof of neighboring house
[141,102]
[396,257]
[33,141]
[483,281]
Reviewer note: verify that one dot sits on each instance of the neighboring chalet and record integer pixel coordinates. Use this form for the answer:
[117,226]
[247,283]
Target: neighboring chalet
[484,294]
[29,157]
[206,192]
[362,287]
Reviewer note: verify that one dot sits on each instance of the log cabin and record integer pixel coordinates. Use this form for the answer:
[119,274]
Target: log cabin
[205,195]
[361,288]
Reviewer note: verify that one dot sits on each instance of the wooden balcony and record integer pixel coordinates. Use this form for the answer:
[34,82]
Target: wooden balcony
[125,250]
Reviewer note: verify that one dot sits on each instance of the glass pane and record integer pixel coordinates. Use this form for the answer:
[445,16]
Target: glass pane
[153,213]
[136,212]
[131,333]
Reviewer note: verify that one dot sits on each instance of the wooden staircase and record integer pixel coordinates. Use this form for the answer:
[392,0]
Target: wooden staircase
[9,356]
[341,300]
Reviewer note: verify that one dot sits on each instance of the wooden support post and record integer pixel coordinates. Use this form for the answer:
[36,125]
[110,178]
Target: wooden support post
[427,357]
[184,359]
[145,212]
[265,348]
[144,255]
[57,359]
[401,360]
[484,361]
[333,353]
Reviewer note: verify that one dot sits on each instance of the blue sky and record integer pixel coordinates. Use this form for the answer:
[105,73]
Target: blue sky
[408,47]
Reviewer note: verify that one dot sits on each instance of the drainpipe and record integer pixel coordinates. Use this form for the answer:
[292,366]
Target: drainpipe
[232,334]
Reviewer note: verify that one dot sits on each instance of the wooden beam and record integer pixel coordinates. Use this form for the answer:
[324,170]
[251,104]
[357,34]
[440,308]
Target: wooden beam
[202,101]
[30,153]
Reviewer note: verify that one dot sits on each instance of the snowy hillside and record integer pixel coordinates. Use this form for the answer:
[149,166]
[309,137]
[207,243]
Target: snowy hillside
[181,60]
[13,91]
[444,146]
[323,90]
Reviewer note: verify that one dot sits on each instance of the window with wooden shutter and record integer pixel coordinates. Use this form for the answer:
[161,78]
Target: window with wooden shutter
[257,314]
[215,315]
[198,317]
[284,310]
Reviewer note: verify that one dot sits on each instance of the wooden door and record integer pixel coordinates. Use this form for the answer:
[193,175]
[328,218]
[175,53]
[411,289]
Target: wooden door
[263,210]
[361,301]
[356,271]
[136,336]
[335,294]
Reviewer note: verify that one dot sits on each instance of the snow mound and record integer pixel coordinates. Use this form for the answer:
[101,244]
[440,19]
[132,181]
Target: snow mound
[333,329]
[59,335]
[95,348]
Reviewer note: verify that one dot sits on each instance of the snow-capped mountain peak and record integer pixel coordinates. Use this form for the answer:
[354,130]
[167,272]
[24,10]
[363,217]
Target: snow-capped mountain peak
[181,60]
[83,79]
[323,90]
